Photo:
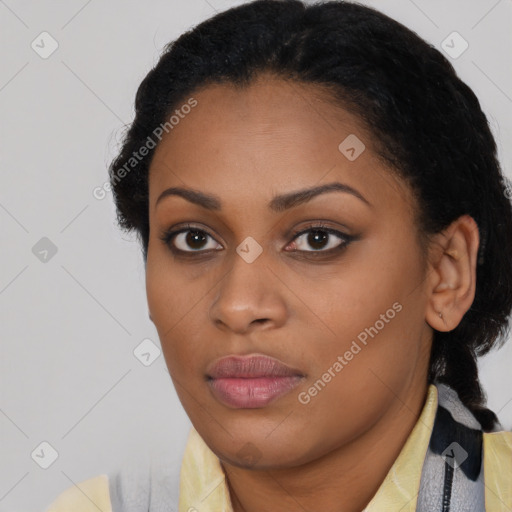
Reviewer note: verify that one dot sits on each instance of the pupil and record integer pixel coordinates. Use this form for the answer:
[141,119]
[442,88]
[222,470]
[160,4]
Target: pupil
[194,237]
[317,237]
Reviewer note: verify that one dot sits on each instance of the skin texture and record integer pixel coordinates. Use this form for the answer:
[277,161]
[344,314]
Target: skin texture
[294,302]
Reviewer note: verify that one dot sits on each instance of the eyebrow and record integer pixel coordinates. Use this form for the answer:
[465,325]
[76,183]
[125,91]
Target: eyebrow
[277,204]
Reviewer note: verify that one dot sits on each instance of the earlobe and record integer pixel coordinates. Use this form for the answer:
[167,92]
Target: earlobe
[453,274]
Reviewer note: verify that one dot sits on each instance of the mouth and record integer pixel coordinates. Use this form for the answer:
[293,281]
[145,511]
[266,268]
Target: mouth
[251,382]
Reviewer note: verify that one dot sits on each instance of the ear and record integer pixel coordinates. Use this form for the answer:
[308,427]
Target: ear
[452,274]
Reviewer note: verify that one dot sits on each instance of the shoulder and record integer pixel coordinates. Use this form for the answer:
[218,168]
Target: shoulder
[142,482]
[86,496]
[498,446]
[497,453]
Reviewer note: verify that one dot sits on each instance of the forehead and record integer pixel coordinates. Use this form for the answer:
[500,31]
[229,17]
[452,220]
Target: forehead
[282,115]
[273,135]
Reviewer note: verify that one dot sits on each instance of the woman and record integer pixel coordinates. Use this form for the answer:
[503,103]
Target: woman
[327,241]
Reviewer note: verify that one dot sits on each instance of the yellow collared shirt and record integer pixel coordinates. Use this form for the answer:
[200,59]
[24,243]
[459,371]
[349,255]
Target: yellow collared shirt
[203,485]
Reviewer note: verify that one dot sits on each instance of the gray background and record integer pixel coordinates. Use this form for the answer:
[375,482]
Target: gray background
[69,325]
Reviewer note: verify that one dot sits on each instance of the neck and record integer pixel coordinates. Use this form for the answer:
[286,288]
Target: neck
[345,479]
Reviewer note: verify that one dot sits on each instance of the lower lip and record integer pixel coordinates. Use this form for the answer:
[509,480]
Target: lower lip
[254,392]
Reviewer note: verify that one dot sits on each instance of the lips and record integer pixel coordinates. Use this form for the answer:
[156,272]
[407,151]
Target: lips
[251,367]
[251,382]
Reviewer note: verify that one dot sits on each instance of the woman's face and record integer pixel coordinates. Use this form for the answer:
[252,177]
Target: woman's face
[342,305]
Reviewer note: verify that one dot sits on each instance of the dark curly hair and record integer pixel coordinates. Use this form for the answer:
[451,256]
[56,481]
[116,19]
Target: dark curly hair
[427,124]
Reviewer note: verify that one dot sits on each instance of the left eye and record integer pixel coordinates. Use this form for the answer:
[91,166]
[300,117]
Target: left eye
[321,239]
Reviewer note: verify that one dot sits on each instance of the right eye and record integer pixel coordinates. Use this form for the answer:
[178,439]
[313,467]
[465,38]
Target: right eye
[189,239]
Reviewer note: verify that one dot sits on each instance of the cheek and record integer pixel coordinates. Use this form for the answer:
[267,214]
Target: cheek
[355,379]
[375,315]
[173,313]
[170,293]
[368,288]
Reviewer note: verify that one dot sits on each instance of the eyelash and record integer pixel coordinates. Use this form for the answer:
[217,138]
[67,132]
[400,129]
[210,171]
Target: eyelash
[167,238]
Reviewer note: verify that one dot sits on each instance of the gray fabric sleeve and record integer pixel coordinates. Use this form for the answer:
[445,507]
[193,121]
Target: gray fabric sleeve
[147,482]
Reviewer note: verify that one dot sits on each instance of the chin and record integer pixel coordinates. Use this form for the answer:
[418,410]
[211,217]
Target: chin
[262,453]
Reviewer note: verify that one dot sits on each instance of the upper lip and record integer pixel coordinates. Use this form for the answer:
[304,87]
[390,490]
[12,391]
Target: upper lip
[253,366]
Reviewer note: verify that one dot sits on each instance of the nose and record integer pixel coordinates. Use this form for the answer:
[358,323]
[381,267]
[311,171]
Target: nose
[249,297]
